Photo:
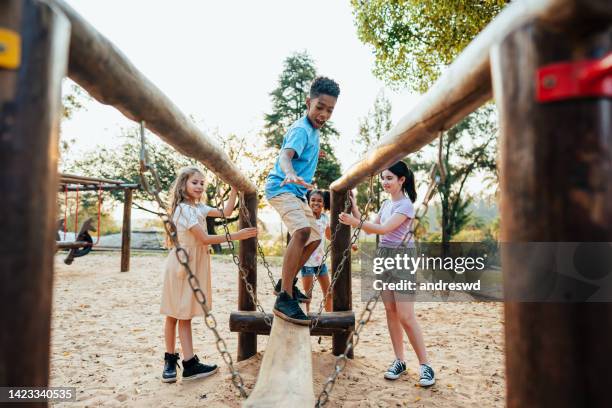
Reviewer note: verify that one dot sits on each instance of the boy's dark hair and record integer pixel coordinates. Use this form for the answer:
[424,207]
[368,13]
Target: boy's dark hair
[324,85]
[400,169]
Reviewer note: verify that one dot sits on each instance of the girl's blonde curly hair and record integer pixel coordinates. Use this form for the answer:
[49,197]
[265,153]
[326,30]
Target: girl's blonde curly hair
[178,191]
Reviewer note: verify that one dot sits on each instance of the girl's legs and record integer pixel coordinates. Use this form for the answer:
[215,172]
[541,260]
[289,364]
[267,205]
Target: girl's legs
[170,334]
[307,282]
[407,319]
[324,282]
[393,323]
[184,329]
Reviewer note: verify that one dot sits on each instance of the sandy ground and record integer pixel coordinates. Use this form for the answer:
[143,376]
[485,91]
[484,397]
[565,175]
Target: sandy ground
[107,341]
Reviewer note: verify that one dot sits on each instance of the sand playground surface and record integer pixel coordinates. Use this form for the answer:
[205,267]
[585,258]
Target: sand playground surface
[107,341]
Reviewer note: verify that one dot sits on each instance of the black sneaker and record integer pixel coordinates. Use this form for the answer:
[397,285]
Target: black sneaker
[288,309]
[170,364]
[193,369]
[428,378]
[397,368]
[297,294]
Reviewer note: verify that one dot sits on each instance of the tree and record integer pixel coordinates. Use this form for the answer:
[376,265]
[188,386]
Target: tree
[414,39]
[123,163]
[289,105]
[372,128]
[468,148]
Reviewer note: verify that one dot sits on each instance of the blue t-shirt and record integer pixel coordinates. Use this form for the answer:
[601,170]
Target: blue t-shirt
[304,139]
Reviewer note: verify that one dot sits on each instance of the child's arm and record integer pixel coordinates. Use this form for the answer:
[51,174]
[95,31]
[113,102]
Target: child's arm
[206,239]
[229,206]
[374,227]
[284,161]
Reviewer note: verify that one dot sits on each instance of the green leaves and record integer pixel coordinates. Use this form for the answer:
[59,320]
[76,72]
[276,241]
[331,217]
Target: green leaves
[413,40]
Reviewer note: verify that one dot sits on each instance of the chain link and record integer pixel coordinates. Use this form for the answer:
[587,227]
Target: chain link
[183,258]
[345,253]
[243,272]
[351,343]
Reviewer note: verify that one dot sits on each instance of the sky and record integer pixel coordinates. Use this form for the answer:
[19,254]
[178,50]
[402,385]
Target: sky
[219,60]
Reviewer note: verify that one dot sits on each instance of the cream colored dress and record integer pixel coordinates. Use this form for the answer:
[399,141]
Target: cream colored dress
[177,297]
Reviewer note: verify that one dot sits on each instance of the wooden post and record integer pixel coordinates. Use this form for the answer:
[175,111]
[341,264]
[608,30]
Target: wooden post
[556,186]
[342,294]
[247,342]
[126,231]
[30,109]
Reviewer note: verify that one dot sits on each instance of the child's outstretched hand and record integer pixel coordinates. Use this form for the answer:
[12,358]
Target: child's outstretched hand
[246,233]
[295,179]
[348,219]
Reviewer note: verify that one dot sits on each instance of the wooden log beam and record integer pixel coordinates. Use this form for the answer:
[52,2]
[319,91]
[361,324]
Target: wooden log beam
[285,376]
[99,67]
[73,178]
[330,323]
[247,253]
[556,186]
[107,187]
[30,107]
[463,87]
[126,231]
[342,293]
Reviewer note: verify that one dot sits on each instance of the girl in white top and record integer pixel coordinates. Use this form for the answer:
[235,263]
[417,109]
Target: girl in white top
[178,302]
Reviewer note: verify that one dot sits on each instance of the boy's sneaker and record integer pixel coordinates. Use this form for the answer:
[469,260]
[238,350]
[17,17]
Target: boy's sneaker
[297,294]
[193,369]
[170,364]
[428,378]
[288,309]
[397,368]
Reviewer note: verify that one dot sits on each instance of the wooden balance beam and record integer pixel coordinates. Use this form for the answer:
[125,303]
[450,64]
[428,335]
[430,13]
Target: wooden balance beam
[285,375]
[329,323]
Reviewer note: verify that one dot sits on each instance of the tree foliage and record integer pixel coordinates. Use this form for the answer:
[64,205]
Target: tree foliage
[414,39]
[468,148]
[372,128]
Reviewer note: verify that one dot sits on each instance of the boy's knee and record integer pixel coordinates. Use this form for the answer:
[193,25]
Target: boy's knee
[302,234]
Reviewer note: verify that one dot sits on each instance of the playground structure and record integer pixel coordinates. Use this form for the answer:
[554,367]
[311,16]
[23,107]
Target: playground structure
[83,241]
[561,141]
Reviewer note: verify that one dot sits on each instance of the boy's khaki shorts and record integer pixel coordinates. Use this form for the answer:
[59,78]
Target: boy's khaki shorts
[295,214]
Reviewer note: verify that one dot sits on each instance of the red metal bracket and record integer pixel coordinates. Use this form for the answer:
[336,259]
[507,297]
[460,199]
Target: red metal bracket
[577,79]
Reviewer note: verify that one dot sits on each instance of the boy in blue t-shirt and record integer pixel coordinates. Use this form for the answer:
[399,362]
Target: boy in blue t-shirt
[286,188]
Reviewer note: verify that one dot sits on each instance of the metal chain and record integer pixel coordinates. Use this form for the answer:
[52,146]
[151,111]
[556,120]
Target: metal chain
[345,255]
[347,205]
[243,272]
[351,343]
[247,216]
[434,181]
[183,258]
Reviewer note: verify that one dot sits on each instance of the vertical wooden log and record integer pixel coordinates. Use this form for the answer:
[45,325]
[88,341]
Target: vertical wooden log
[30,110]
[126,231]
[342,294]
[247,342]
[556,184]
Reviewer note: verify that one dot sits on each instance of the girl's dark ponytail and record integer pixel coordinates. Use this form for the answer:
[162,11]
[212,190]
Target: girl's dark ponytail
[400,169]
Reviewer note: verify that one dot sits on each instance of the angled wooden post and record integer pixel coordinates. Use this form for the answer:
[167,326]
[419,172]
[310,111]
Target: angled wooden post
[33,60]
